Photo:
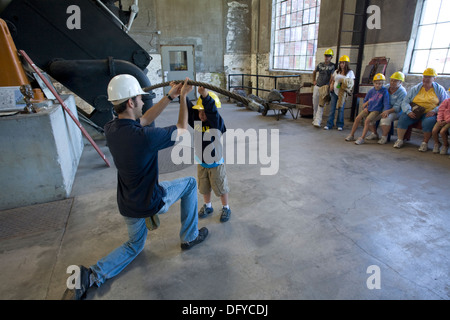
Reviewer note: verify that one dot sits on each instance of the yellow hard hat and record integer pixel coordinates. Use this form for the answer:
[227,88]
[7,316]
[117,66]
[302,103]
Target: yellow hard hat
[379,77]
[398,76]
[329,52]
[199,105]
[344,59]
[430,72]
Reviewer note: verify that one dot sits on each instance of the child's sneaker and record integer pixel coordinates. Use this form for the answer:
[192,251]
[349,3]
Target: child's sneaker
[205,211]
[350,138]
[225,216]
[383,140]
[436,148]
[444,150]
[359,141]
[372,136]
[326,128]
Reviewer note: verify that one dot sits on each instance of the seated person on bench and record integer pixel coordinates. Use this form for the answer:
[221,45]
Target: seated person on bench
[428,95]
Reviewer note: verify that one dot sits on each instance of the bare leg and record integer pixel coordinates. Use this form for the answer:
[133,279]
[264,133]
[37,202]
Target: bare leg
[401,133]
[444,136]
[224,199]
[207,197]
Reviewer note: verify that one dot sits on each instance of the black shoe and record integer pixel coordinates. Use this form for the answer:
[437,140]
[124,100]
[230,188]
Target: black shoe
[79,294]
[225,216]
[202,234]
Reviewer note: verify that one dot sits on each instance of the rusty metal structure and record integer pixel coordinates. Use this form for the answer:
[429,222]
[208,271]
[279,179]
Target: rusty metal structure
[83,56]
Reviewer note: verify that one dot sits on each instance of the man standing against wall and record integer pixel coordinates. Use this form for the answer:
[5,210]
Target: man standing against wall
[322,85]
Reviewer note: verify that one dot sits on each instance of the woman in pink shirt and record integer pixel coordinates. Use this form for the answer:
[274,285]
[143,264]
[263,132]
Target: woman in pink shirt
[442,126]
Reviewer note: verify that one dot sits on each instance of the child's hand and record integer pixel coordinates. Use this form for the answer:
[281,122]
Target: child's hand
[186,88]
[203,92]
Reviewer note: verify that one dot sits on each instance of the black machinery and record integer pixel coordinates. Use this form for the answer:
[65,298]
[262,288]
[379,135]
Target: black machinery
[83,58]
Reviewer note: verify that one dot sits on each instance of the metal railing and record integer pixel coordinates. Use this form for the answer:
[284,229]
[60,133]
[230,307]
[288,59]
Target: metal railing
[243,86]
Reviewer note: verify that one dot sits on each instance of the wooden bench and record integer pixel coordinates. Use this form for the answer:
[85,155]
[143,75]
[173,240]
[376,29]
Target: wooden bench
[417,125]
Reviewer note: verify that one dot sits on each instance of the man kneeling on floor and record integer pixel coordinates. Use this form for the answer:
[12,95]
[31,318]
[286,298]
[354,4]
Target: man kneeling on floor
[134,146]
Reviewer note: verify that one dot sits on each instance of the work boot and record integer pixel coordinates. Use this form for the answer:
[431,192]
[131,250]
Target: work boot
[79,294]
[202,234]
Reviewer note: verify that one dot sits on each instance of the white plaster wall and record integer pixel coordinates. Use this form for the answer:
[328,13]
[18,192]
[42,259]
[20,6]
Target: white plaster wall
[154,74]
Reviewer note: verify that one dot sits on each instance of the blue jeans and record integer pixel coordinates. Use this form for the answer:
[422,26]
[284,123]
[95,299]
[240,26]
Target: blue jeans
[340,117]
[117,260]
[427,122]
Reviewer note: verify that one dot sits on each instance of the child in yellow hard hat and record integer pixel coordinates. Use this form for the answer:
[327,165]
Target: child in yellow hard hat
[204,117]
[442,127]
[375,101]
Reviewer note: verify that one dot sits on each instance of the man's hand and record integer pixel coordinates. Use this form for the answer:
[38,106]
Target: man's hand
[412,115]
[175,90]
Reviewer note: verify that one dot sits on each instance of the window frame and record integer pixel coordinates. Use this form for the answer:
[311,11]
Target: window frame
[415,38]
[297,62]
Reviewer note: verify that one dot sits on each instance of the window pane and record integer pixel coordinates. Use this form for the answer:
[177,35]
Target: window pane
[430,11]
[303,62]
[442,36]
[444,14]
[419,61]
[437,60]
[447,64]
[306,16]
[425,36]
[312,16]
[288,6]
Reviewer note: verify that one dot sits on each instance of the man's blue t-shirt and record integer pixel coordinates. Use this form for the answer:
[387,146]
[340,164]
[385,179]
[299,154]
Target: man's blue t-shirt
[135,152]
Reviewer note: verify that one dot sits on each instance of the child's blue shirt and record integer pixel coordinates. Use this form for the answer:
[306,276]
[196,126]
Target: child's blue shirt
[378,100]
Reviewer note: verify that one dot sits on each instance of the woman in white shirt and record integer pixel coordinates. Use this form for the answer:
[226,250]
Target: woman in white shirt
[341,73]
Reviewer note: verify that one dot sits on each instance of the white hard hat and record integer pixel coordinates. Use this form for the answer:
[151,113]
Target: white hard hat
[123,87]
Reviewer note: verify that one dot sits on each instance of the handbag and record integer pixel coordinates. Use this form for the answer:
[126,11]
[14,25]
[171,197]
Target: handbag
[417,110]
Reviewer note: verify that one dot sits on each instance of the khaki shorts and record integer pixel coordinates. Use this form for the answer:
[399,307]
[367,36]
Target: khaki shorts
[213,178]
[372,116]
[439,127]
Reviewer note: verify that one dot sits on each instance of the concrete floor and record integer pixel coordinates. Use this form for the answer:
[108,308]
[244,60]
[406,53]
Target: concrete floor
[309,232]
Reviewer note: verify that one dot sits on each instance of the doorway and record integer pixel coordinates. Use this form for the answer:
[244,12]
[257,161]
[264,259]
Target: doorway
[177,64]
